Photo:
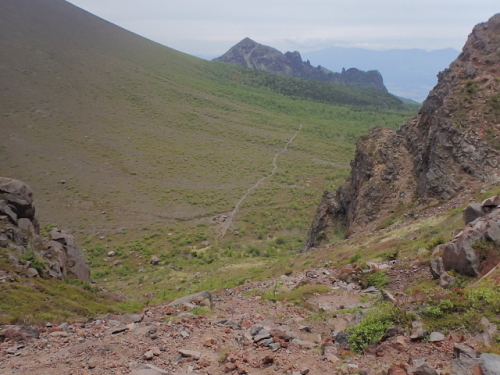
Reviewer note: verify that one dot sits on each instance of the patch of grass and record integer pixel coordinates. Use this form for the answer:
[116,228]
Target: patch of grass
[52,300]
[374,325]
[296,295]
[198,310]
[378,279]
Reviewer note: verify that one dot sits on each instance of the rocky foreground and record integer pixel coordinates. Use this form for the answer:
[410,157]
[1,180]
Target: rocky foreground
[237,331]
[300,323]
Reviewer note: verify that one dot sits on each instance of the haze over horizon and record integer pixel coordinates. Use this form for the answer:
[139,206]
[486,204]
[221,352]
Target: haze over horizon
[210,28]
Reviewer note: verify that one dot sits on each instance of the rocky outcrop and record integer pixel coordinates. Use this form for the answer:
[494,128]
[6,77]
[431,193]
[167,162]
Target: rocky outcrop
[474,250]
[29,253]
[251,54]
[17,204]
[453,144]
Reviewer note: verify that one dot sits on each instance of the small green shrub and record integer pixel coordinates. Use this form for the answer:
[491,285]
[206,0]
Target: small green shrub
[378,279]
[36,262]
[374,325]
[431,245]
[355,258]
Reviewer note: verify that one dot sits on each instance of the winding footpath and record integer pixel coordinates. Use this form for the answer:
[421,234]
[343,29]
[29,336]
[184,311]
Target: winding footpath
[227,224]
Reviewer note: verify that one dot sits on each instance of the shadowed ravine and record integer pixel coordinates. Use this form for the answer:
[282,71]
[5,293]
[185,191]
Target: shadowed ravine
[227,224]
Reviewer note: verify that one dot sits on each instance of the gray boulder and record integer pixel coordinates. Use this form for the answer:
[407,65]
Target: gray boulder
[472,212]
[17,201]
[425,369]
[76,264]
[490,363]
[465,366]
[460,254]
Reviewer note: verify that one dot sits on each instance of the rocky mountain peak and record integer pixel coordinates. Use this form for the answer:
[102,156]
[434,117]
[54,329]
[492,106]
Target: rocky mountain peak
[251,54]
[449,149]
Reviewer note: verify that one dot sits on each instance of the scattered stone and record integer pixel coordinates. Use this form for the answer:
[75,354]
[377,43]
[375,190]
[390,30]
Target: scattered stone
[202,298]
[92,363]
[155,350]
[370,290]
[446,281]
[268,359]
[436,337]
[255,329]
[275,346]
[331,358]
[32,272]
[437,267]
[418,333]
[261,335]
[305,328]
[154,260]
[400,343]
[489,330]
[425,369]
[59,334]
[394,331]
[117,329]
[387,296]
[342,339]
[209,342]
[148,355]
[4,241]
[396,370]
[304,344]
[229,323]
[464,351]
[12,350]
[190,353]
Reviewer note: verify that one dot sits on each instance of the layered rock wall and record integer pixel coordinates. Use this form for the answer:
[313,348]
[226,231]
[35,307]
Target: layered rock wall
[452,145]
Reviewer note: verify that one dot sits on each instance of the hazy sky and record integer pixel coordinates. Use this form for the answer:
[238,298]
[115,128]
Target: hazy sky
[211,27]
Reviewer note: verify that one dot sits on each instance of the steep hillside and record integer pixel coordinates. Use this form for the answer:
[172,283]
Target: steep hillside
[143,134]
[141,151]
[251,54]
[449,150]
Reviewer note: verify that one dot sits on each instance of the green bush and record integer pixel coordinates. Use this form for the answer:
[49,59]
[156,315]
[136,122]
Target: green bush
[374,325]
[355,258]
[378,279]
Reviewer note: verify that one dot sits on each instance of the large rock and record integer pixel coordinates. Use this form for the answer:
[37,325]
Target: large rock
[76,265]
[16,201]
[471,252]
[490,363]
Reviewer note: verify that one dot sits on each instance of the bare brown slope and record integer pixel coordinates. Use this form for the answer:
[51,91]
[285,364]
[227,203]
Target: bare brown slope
[452,146]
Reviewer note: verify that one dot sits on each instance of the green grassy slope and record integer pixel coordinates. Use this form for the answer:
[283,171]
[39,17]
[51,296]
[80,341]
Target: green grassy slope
[153,144]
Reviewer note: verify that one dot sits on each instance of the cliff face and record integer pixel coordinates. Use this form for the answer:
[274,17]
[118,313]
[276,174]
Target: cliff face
[251,54]
[453,144]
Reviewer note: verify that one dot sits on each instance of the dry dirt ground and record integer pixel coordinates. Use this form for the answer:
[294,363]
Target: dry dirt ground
[172,340]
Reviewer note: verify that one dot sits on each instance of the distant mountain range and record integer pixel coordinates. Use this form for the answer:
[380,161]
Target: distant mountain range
[251,54]
[409,73]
